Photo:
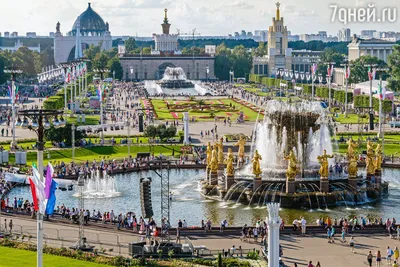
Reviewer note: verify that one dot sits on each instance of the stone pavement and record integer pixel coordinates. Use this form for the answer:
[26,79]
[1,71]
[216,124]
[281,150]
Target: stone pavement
[295,248]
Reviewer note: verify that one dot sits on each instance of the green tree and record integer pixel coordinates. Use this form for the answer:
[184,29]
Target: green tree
[222,63]
[100,60]
[359,72]
[394,65]
[241,61]
[28,61]
[151,131]
[330,55]
[261,50]
[130,44]
[63,134]
[115,65]
[146,50]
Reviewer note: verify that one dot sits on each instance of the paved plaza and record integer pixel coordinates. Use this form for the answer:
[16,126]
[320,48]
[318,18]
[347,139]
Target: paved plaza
[296,249]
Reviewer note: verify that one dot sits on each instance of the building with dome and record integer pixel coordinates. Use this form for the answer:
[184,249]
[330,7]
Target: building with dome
[89,28]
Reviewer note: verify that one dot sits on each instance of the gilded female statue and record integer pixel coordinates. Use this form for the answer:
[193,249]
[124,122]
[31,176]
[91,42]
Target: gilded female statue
[292,169]
[213,166]
[230,170]
[353,169]
[378,157]
[351,148]
[370,164]
[256,164]
[324,169]
[220,148]
[241,143]
[209,153]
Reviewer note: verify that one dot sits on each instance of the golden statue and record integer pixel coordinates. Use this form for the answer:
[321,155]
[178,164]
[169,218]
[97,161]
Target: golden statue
[241,144]
[256,164]
[220,148]
[351,148]
[370,164]
[353,169]
[209,153]
[378,157]
[230,170]
[292,169]
[213,166]
[324,169]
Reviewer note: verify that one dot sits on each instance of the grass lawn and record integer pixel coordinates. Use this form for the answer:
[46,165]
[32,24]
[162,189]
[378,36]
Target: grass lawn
[352,119]
[220,108]
[89,120]
[10,257]
[389,149]
[97,153]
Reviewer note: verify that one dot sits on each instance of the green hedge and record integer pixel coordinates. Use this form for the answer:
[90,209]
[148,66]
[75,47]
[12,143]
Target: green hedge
[363,101]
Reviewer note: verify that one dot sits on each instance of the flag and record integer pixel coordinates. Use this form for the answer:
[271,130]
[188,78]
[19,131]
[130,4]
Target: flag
[382,91]
[51,201]
[329,71]
[371,73]
[49,179]
[38,193]
[347,72]
[314,69]
[100,92]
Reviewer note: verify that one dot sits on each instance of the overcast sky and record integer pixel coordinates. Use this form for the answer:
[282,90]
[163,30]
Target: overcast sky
[209,17]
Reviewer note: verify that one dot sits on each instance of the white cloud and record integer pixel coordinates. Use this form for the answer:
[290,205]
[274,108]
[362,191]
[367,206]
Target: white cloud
[238,4]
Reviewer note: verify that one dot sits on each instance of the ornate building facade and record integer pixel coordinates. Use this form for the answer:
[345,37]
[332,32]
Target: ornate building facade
[280,56]
[166,54]
[89,28]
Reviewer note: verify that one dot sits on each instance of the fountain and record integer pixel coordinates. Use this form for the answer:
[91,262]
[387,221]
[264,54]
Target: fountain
[175,78]
[99,187]
[292,151]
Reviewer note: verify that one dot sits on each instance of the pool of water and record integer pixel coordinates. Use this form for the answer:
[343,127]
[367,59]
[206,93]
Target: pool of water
[153,88]
[188,204]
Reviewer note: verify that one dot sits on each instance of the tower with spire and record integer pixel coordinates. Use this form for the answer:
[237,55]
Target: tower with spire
[165,26]
[78,43]
[165,43]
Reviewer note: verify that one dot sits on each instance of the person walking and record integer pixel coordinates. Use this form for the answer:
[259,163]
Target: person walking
[369,258]
[395,264]
[10,225]
[178,235]
[378,258]
[396,254]
[343,235]
[318,264]
[352,243]
[303,225]
[389,254]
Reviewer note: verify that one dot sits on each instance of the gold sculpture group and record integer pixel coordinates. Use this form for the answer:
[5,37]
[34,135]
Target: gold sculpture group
[215,156]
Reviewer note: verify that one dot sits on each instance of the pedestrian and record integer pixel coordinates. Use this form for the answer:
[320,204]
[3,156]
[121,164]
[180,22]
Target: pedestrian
[303,225]
[318,265]
[11,225]
[5,225]
[389,254]
[178,236]
[396,254]
[310,264]
[369,258]
[378,258]
[352,243]
[343,235]
[329,234]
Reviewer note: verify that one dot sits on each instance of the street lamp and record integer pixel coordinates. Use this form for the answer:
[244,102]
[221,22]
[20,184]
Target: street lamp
[40,121]
[381,97]
[371,74]
[13,71]
[329,76]
[67,79]
[346,76]
[101,71]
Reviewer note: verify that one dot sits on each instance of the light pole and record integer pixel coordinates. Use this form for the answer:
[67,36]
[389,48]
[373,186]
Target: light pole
[67,79]
[101,72]
[329,76]
[346,76]
[371,76]
[381,98]
[40,122]
[13,71]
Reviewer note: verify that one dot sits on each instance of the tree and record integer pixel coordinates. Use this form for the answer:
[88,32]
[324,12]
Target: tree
[359,72]
[394,66]
[130,44]
[28,61]
[241,61]
[330,55]
[115,65]
[261,50]
[63,134]
[146,50]
[150,131]
[100,60]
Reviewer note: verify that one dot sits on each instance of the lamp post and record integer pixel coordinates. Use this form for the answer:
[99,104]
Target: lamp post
[13,71]
[381,97]
[67,79]
[101,72]
[346,76]
[40,122]
[329,76]
[371,74]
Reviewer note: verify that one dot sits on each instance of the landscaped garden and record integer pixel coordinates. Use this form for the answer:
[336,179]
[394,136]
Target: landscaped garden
[204,110]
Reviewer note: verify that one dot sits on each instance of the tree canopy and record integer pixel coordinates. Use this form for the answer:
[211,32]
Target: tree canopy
[359,70]
[394,65]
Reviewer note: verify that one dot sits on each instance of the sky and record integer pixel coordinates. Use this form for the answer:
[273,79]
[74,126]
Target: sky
[208,17]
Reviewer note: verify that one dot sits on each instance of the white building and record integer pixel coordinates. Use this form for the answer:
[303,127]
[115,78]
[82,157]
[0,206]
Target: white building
[344,35]
[19,44]
[373,47]
[90,28]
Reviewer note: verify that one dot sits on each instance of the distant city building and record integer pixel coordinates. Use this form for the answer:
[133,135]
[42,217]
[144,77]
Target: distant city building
[260,36]
[19,44]
[166,54]
[89,28]
[14,34]
[373,47]
[344,35]
[31,34]
[6,34]
[51,34]
[211,50]
[367,34]
[320,36]
[293,38]
[280,56]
